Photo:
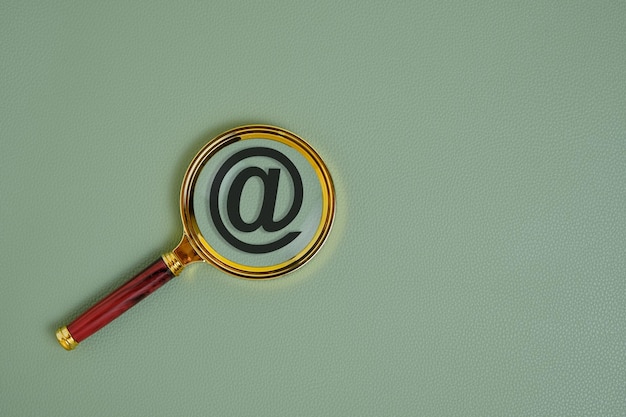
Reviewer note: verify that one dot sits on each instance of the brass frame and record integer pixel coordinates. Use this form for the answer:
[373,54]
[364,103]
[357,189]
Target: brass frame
[194,247]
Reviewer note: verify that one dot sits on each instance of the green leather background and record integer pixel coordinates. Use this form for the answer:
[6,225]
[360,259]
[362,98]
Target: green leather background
[477,266]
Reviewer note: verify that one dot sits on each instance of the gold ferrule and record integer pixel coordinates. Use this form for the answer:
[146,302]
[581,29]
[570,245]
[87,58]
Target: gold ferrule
[173,263]
[65,338]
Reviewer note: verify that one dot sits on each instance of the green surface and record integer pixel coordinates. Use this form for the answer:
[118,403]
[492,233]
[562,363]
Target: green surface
[477,267]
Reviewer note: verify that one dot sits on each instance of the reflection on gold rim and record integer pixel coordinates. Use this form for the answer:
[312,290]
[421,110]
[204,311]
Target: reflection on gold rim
[200,244]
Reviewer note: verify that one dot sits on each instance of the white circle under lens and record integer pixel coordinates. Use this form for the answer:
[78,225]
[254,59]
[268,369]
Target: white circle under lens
[245,181]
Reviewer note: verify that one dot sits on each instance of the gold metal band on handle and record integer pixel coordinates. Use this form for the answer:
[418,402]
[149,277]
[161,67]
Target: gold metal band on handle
[181,256]
[65,338]
[173,263]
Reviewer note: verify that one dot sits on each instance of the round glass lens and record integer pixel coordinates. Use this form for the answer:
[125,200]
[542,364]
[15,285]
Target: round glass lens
[261,203]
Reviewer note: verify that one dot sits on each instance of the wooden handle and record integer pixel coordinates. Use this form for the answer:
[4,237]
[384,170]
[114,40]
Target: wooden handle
[116,303]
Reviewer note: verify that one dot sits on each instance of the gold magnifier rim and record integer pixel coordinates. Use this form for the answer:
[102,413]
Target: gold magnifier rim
[201,245]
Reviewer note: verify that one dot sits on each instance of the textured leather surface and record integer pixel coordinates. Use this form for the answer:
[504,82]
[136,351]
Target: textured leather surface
[477,265]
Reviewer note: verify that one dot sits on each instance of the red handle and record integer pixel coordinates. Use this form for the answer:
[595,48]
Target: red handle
[112,306]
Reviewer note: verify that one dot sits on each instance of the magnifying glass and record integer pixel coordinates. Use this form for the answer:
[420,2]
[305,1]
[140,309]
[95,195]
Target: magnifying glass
[256,202]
